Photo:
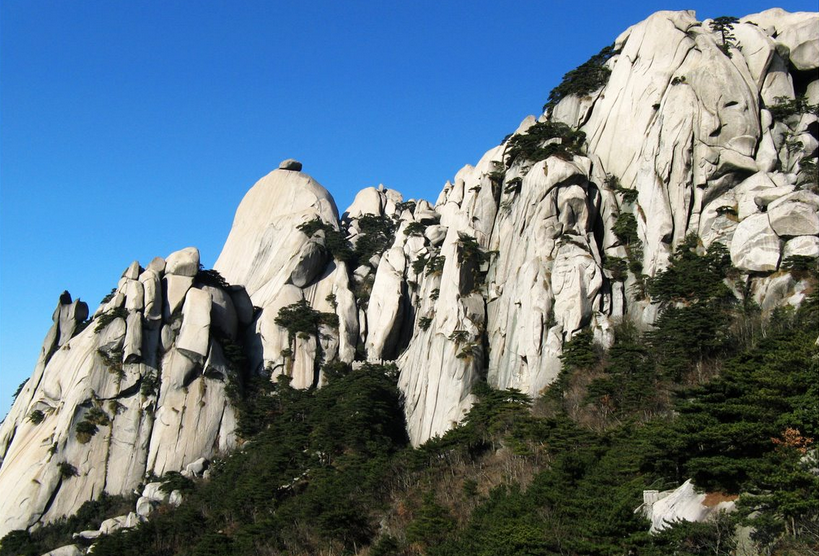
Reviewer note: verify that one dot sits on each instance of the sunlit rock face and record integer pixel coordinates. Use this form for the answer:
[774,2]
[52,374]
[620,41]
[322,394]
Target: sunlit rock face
[489,282]
[279,265]
[130,393]
[686,127]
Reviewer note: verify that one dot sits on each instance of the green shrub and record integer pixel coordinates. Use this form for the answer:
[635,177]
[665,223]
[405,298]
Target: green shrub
[435,265]
[149,385]
[301,318]
[385,545]
[84,431]
[469,351]
[19,543]
[585,79]
[424,323]
[579,352]
[334,241]
[110,316]
[513,186]
[377,235]
[808,174]
[109,296]
[420,263]
[613,183]
[797,264]
[724,25]
[18,390]
[459,336]
[405,205]
[432,525]
[211,278]
[617,267]
[472,256]
[175,481]
[690,276]
[625,228]
[497,175]
[785,108]
[36,416]
[113,361]
[67,470]
[530,146]
[97,416]
[45,538]
[414,229]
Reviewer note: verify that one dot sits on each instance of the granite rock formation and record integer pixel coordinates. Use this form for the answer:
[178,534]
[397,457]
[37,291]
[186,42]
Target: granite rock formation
[552,232]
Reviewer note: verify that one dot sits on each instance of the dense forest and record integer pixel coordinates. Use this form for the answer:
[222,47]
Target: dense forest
[715,391]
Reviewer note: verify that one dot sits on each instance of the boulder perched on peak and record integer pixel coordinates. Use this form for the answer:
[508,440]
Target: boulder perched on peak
[290,164]
[278,249]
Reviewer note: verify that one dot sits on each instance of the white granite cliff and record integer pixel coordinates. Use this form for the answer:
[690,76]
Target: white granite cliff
[488,283]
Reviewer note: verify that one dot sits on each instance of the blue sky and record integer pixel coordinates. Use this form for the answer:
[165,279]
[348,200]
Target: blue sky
[132,129]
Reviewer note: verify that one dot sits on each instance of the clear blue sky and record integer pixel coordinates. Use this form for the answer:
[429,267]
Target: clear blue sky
[132,129]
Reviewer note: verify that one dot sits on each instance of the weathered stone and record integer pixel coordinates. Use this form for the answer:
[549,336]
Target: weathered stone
[152,295]
[154,492]
[261,249]
[795,214]
[175,499]
[425,213]
[802,246]
[772,291]
[683,145]
[311,261]
[132,345]
[384,309]
[755,245]
[184,262]
[112,336]
[144,507]
[134,295]
[167,337]
[766,196]
[132,272]
[745,193]
[216,365]
[242,304]
[223,313]
[157,265]
[290,164]
[367,201]
[802,42]
[174,290]
[71,315]
[681,504]
[196,468]
[68,550]
[195,333]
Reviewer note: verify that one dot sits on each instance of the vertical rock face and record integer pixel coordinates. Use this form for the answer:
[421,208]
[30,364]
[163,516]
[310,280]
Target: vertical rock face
[689,135]
[109,401]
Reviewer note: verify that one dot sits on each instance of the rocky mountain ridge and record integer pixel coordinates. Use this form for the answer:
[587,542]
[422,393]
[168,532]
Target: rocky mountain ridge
[554,231]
